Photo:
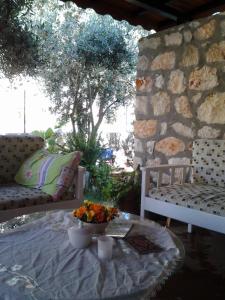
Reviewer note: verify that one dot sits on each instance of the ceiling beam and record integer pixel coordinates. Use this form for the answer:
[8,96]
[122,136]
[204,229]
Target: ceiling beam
[212,5]
[158,7]
[142,11]
[206,9]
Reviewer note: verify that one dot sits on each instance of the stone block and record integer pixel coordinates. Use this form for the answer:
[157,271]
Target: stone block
[153,162]
[151,43]
[145,128]
[205,31]
[138,147]
[190,56]
[173,39]
[170,146]
[216,52]
[182,106]
[203,79]
[212,110]
[154,175]
[150,147]
[187,36]
[183,130]
[142,63]
[144,84]
[207,132]
[179,161]
[137,162]
[194,24]
[159,81]
[165,61]
[141,104]
[196,98]
[160,103]
[190,146]
[176,82]
[163,129]
[222,26]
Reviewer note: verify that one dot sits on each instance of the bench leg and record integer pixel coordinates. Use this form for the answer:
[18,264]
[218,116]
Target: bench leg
[189,228]
[168,221]
[142,213]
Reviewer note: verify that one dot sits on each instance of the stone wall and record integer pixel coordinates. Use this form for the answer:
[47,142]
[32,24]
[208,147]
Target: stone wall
[180,90]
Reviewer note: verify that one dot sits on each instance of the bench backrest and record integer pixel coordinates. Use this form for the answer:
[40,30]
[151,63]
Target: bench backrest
[14,149]
[209,162]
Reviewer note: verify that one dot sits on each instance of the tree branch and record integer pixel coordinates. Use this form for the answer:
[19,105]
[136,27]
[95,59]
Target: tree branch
[90,103]
[110,105]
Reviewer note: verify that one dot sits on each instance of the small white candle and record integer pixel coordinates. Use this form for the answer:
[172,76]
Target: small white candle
[105,245]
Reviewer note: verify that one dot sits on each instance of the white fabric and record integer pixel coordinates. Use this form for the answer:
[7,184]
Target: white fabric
[38,262]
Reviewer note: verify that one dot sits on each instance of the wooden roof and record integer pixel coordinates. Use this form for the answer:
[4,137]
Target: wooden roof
[154,14]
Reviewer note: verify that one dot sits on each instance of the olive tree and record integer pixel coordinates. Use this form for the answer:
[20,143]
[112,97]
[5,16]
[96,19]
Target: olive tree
[89,64]
[18,51]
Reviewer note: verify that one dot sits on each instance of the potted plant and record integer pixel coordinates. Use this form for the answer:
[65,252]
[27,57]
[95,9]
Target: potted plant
[95,216]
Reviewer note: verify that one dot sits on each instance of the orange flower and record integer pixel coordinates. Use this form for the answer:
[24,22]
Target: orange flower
[95,213]
[97,208]
[79,212]
[100,217]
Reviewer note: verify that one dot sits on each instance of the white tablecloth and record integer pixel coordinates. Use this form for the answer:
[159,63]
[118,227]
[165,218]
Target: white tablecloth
[38,262]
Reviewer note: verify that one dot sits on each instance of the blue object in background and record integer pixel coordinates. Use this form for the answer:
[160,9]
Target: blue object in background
[107,154]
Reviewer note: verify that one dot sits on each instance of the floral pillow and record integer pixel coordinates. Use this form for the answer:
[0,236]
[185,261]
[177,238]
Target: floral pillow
[52,173]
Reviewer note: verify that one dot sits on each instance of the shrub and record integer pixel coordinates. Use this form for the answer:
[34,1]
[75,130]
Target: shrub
[91,149]
[101,180]
[53,140]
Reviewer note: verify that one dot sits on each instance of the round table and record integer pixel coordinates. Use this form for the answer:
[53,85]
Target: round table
[38,262]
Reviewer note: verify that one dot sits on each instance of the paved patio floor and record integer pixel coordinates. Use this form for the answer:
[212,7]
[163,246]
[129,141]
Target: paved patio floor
[202,276]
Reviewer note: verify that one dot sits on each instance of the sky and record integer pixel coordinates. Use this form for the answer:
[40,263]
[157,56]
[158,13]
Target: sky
[38,116]
[12,108]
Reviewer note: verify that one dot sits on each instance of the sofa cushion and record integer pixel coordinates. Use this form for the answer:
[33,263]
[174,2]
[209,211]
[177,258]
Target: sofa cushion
[210,199]
[16,196]
[52,173]
[28,173]
[209,162]
[14,150]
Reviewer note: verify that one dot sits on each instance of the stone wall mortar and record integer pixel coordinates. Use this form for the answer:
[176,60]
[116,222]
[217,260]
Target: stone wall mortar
[181,87]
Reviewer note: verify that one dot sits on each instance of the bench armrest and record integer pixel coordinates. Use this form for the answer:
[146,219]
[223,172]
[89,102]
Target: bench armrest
[79,184]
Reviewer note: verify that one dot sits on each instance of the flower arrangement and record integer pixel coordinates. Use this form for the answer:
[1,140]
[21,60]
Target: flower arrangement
[95,213]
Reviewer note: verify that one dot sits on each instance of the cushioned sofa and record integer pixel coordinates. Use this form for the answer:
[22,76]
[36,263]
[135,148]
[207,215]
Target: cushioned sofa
[17,199]
[198,199]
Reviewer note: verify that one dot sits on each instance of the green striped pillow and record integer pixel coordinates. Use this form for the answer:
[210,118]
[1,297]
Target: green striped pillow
[52,173]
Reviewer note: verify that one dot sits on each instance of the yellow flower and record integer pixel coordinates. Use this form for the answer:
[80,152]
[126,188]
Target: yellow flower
[90,215]
[87,203]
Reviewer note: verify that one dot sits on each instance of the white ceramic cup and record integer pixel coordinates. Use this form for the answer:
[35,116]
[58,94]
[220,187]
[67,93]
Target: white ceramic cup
[79,237]
[105,245]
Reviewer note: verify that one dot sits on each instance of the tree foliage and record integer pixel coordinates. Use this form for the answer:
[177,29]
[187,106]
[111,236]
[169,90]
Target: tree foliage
[86,62]
[18,52]
[101,42]
[89,64]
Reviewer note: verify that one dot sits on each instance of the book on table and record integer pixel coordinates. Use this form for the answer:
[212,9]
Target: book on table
[118,230]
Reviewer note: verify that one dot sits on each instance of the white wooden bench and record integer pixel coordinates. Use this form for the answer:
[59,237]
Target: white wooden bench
[198,199]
